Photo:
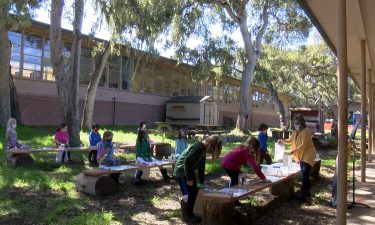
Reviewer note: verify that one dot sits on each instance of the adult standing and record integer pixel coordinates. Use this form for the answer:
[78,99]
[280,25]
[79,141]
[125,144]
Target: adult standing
[303,151]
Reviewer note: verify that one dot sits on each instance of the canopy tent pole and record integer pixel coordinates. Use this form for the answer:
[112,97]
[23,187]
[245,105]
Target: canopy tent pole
[370,114]
[343,113]
[363,111]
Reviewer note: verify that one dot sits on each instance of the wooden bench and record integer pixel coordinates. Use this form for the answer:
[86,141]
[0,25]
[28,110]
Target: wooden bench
[217,206]
[22,158]
[163,126]
[98,182]
[158,149]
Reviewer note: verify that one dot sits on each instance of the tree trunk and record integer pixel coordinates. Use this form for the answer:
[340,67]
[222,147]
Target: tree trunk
[279,103]
[88,107]
[67,73]
[244,112]
[5,104]
[15,108]
[73,116]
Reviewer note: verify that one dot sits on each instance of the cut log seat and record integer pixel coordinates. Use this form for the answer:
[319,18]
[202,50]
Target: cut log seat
[21,160]
[96,184]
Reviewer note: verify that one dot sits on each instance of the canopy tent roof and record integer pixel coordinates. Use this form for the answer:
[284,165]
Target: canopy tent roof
[360,26]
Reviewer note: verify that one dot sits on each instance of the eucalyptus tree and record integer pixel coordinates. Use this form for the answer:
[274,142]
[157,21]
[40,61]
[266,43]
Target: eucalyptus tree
[307,75]
[13,14]
[273,21]
[132,23]
[66,69]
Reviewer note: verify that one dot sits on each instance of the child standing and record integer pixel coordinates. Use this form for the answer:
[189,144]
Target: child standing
[11,136]
[192,160]
[262,137]
[62,140]
[106,153]
[94,139]
[143,154]
[142,126]
[181,143]
[240,155]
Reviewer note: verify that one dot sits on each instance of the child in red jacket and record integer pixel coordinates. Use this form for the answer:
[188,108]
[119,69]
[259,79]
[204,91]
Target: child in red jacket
[240,155]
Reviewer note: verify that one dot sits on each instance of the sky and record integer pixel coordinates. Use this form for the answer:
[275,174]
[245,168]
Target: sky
[42,15]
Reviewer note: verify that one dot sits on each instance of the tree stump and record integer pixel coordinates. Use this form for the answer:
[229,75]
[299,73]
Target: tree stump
[218,213]
[96,185]
[198,205]
[20,160]
[162,150]
[284,189]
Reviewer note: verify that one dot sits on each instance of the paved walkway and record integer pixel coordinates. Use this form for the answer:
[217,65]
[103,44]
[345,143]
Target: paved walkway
[364,193]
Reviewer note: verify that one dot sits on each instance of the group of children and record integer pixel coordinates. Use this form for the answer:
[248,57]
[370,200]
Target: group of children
[190,160]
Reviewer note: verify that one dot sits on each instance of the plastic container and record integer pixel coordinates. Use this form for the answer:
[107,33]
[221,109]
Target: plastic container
[279,151]
[287,160]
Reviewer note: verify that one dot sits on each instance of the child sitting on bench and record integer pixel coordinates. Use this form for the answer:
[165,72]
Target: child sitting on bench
[11,136]
[106,153]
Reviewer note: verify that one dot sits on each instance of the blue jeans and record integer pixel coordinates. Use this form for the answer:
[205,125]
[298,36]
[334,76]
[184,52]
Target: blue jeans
[305,187]
[183,185]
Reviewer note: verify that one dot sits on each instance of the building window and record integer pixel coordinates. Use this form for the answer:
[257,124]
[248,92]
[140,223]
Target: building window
[137,81]
[149,78]
[126,73]
[159,80]
[114,71]
[178,108]
[86,67]
[47,65]
[168,82]
[15,57]
[32,57]
[176,83]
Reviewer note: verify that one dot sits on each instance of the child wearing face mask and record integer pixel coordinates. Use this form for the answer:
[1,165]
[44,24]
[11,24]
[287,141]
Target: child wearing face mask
[106,153]
[94,139]
[62,140]
[181,143]
[303,151]
[11,136]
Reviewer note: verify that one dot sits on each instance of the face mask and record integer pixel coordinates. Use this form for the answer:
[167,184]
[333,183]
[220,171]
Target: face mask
[297,127]
[144,126]
[14,126]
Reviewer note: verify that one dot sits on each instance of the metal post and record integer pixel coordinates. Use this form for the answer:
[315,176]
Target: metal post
[370,114]
[363,111]
[343,113]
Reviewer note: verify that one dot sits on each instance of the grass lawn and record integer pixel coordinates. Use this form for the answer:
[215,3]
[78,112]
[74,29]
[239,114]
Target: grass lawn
[45,193]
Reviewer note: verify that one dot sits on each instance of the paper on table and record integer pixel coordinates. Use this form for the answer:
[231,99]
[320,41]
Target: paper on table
[117,168]
[273,178]
[233,191]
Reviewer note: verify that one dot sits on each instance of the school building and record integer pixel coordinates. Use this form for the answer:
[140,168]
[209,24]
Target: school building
[133,88]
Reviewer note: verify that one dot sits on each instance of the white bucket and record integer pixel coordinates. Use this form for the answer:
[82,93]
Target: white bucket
[279,151]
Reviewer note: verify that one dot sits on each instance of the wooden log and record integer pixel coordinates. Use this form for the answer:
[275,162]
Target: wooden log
[198,205]
[218,213]
[96,185]
[284,189]
[20,160]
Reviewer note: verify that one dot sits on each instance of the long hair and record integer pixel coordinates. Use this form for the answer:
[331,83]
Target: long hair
[141,135]
[140,126]
[179,136]
[213,145]
[107,134]
[9,125]
[61,126]
[299,118]
[253,144]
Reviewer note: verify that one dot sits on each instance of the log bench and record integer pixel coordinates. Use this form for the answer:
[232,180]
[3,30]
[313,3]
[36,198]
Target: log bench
[98,182]
[218,205]
[22,158]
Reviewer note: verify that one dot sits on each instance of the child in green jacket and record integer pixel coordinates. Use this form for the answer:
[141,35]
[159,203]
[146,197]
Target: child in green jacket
[143,156]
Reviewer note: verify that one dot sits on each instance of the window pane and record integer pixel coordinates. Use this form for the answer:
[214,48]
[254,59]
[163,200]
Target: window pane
[126,73]
[114,71]
[86,67]
[159,81]
[176,84]
[168,82]
[137,83]
[149,78]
